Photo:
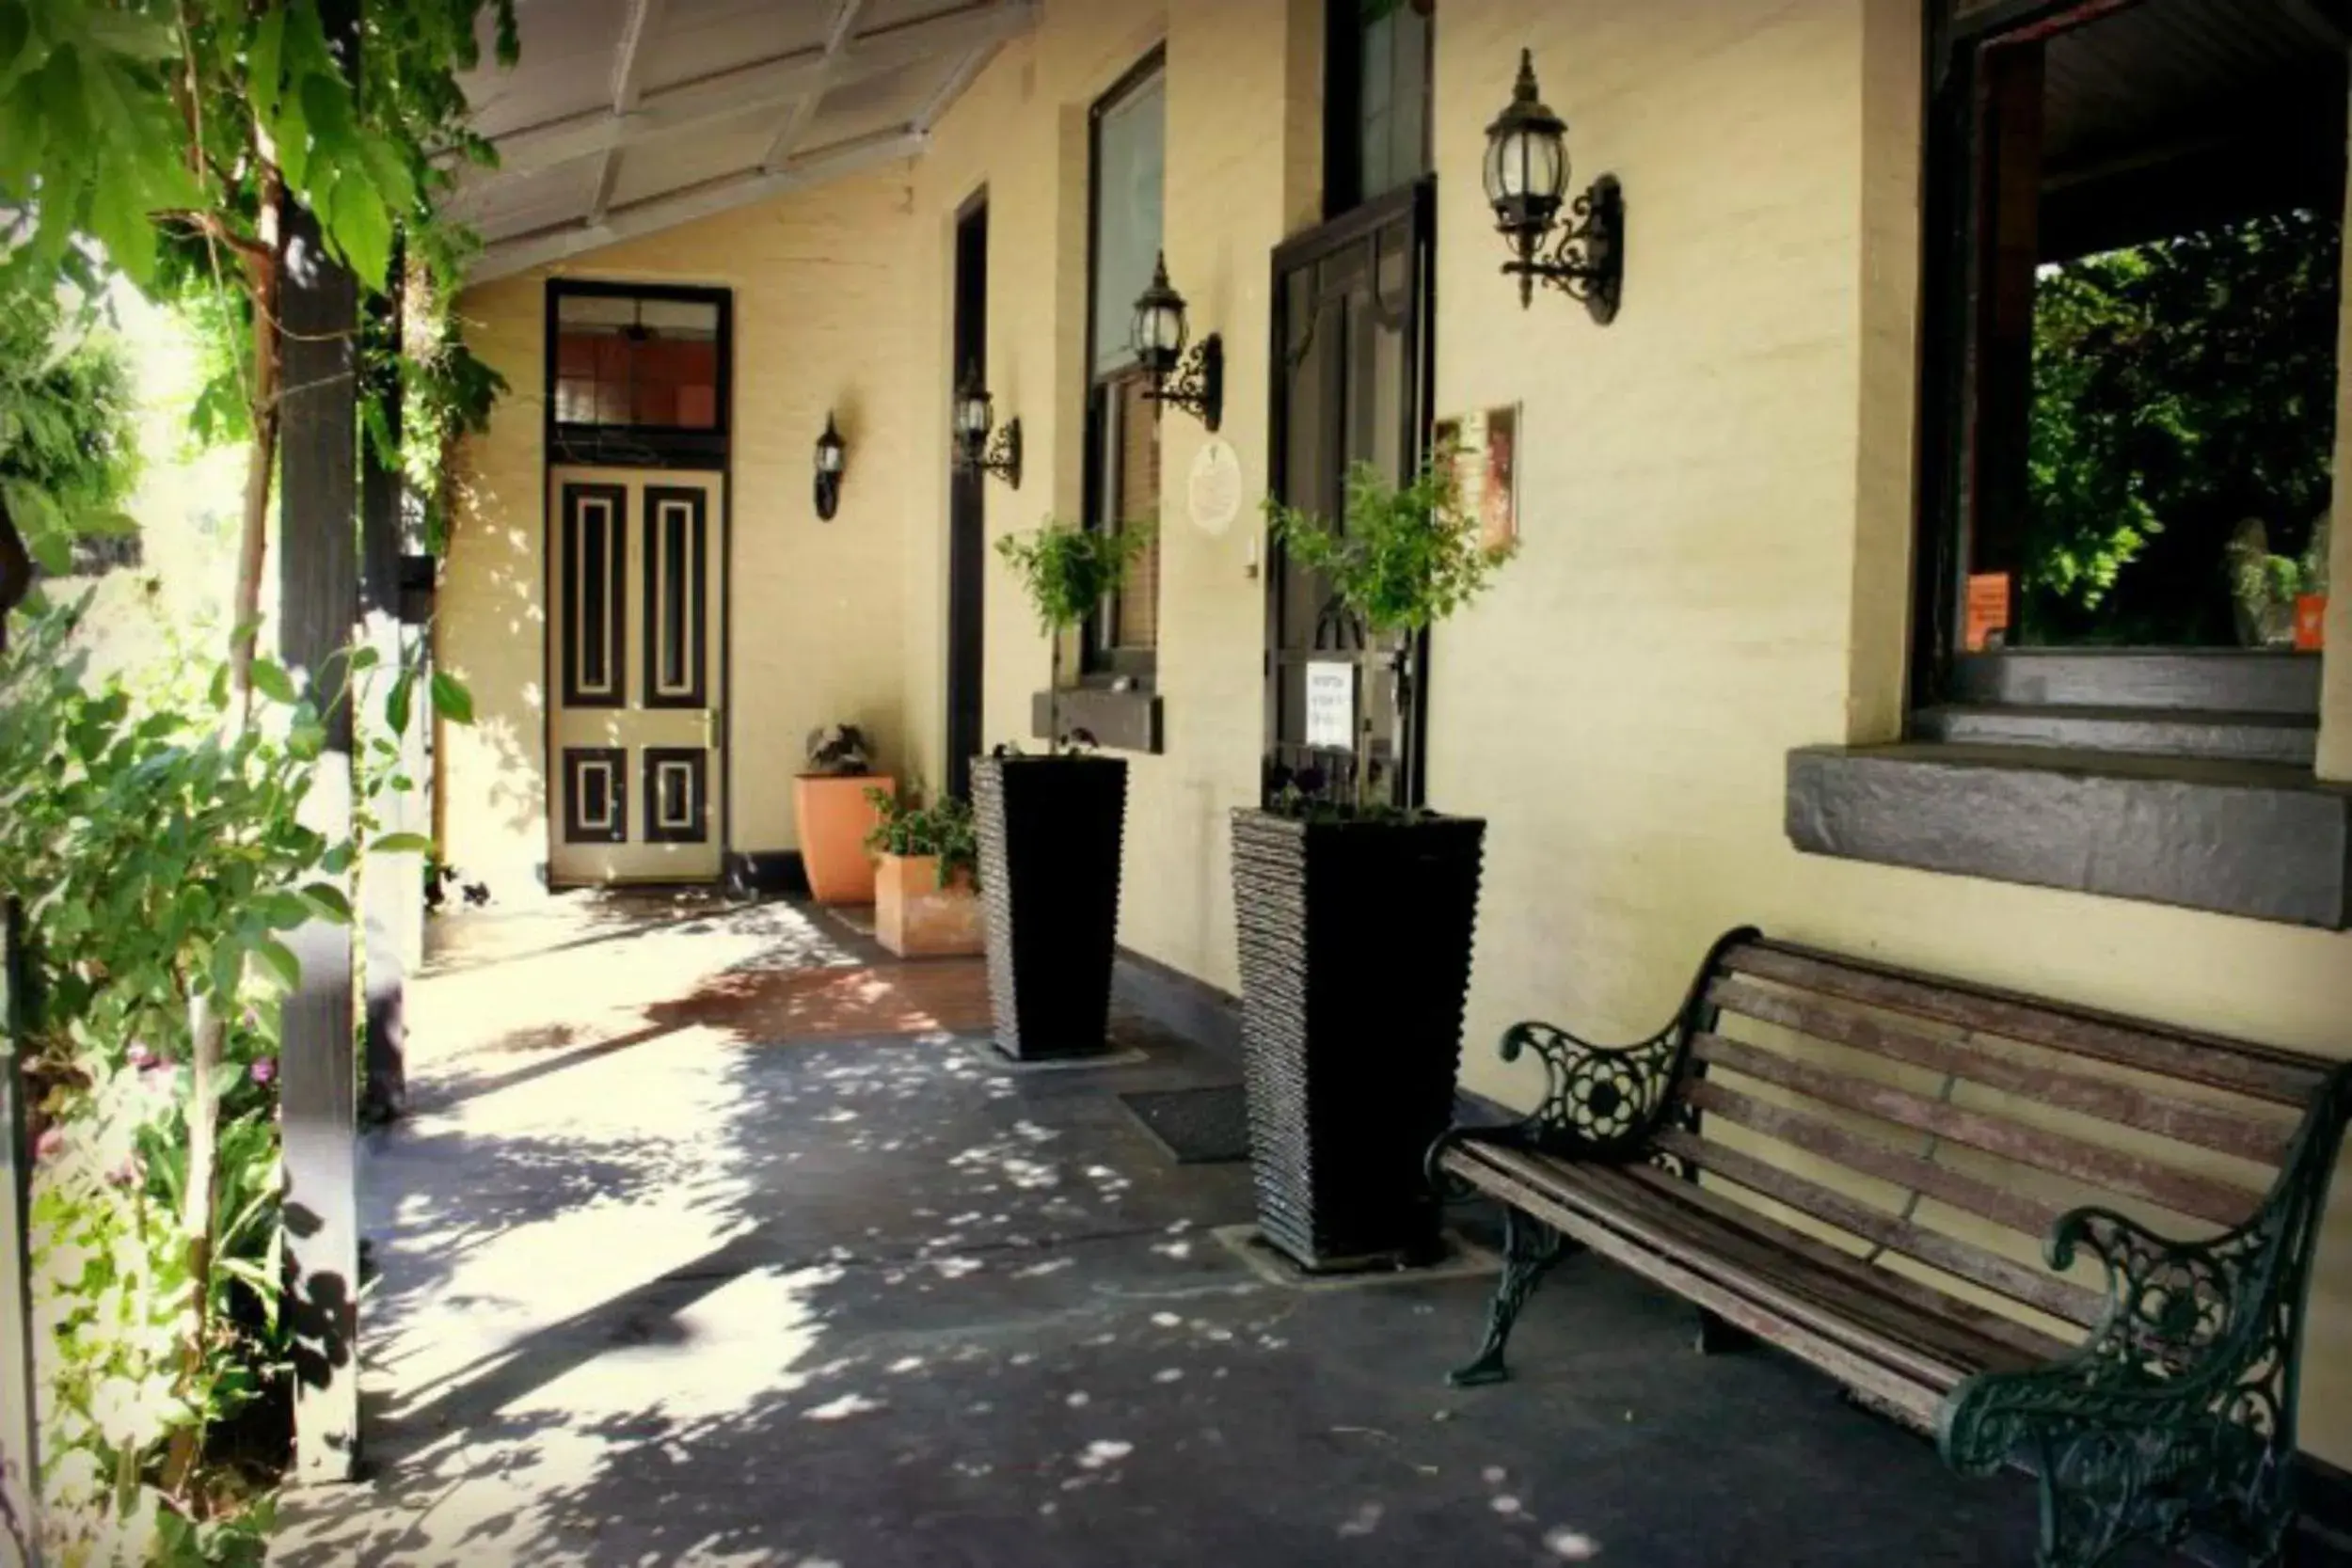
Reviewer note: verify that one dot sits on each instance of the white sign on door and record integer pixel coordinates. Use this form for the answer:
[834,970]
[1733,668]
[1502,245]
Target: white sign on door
[1332,705]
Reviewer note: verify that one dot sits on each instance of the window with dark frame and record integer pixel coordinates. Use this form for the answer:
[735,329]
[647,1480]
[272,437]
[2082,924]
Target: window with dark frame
[1126,175]
[1376,99]
[2128,414]
[637,373]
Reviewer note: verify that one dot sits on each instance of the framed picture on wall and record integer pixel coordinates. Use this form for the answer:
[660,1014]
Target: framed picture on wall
[1485,444]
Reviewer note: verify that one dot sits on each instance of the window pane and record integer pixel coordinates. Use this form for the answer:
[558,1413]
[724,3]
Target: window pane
[1394,87]
[622,360]
[2156,327]
[1129,161]
[1135,472]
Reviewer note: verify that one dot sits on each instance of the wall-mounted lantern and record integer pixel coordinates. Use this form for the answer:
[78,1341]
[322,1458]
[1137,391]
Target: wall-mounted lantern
[1194,382]
[832,457]
[1527,175]
[975,414]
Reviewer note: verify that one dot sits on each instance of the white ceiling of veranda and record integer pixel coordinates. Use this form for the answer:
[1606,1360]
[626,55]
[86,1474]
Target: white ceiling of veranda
[627,117]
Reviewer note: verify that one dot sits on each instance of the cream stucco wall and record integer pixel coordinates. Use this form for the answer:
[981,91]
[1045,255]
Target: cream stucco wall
[816,631]
[1243,151]
[1716,524]
[1717,501]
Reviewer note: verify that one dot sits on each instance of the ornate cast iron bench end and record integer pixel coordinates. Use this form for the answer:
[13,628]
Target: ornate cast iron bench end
[2177,1411]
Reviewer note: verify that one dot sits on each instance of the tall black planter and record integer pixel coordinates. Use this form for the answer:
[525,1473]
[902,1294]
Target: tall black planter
[1355,965]
[1050,831]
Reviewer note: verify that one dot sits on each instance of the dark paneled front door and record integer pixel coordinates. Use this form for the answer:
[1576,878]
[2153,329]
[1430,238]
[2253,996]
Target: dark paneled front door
[1352,327]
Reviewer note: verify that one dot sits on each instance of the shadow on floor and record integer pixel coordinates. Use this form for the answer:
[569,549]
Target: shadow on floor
[875,1301]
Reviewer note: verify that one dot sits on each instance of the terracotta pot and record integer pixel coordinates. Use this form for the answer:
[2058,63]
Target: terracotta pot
[834,816]
[916,918]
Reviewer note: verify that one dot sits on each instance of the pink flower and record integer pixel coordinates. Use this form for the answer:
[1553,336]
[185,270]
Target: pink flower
[139,1056]
[50,1144]
[264,1070]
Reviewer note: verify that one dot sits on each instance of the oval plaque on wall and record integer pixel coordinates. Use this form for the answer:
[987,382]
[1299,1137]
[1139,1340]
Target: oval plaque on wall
[1214,491]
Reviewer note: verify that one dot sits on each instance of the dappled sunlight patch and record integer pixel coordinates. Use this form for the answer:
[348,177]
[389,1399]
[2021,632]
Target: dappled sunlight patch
[1103,1452]
[1570,1545]
[843,1408]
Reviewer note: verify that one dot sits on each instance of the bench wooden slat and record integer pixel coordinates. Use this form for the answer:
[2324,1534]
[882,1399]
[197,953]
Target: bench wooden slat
[2029,1345]
[2183,1192]
[1710,1225]
[2262,1140]
[1806,1331]
[1963,1259]
[2215,1062]
[1702,1248]
[2019,1212]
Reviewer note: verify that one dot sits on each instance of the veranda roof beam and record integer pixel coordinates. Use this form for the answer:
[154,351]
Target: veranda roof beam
[795,124]
[765,85]
[628,70]
[541,246]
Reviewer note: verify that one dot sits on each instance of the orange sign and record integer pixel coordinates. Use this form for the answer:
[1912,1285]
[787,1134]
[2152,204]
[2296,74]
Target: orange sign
[1988,610]
[2311,621]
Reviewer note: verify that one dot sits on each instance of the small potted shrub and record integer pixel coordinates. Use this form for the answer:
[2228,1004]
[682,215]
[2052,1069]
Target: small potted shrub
[831,804]
[1050,826]
[1355,921]
[925,861]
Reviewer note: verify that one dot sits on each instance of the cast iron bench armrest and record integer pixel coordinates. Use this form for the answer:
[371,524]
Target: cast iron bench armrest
[1600,1101]
[2183,1396]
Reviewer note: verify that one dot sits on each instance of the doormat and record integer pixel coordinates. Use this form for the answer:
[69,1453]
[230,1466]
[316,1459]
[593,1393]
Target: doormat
[1200,1127]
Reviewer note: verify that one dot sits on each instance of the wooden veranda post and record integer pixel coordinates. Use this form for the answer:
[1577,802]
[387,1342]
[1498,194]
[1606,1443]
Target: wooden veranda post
[20,1454]
[20,1432]
[387,882]
[318,610]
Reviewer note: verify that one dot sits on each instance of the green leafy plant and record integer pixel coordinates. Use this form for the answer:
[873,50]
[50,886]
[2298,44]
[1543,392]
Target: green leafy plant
[161,859]
[175,144]
[1407,558]
[946,830]
[2180,387]
[68,440]
[1067,572]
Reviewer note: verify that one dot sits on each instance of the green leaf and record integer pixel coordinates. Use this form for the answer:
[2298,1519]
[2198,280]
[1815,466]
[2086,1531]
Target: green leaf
[398,702]
[307,742]
[362,228]
[218,692]
[271,680]
[16,36]
[450,698]
[284,912]
[329,901]
[263,68]
[280,961]
[401,844]
[125,33]
[389,172]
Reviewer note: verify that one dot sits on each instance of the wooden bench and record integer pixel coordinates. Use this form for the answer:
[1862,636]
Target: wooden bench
[1854,1163]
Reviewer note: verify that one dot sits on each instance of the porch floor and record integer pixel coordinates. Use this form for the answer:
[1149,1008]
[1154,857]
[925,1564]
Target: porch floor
[715,1239]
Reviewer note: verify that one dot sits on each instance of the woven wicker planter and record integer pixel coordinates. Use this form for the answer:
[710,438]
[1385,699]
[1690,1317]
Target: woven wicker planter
[1050,831]
[1355,965]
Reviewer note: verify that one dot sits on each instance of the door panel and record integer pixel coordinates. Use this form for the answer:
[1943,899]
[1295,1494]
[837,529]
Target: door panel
[1352,314]
[636,743]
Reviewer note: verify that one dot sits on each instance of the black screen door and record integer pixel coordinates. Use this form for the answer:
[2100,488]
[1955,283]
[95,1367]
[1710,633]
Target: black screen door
[1351,330]
[967,520]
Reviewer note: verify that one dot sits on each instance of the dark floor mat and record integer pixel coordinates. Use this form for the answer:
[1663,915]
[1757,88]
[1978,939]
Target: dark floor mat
[1200,1127]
